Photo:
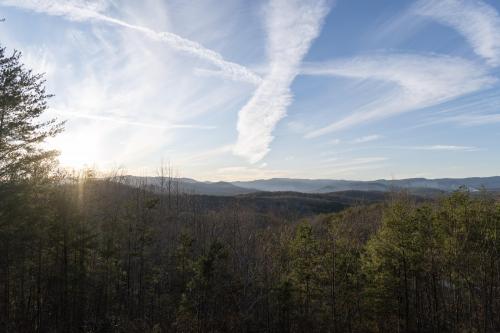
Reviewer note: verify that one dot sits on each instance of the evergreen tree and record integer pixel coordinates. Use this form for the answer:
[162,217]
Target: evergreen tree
[23,100]
[306,273]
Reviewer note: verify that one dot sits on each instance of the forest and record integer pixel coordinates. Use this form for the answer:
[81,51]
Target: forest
[85,253]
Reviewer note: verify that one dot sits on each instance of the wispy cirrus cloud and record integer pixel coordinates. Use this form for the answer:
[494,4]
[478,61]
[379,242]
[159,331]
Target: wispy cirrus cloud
[465,119]
[338,162]
[249,173]
[367,138]
[474,119]
[81,10]
[444,148]
[206,155]
[438,147]
[420,81]
[332,167]
[334,142]
[127,121]
[292,27]
[477,21]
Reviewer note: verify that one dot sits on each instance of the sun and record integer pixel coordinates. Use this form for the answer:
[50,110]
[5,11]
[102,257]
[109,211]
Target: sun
[76,151]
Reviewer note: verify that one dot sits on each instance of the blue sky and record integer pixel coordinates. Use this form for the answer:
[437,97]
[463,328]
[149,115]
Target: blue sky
[230,90]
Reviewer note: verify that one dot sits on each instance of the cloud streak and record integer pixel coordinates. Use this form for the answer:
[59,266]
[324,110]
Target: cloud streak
[83,11]
[367,138]
[474,119]
[125,121]
[445,148]
[354,162]
[420,81]
[292,27]
[477,21]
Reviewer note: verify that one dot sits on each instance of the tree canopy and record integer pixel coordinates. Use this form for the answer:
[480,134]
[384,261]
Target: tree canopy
[23,101]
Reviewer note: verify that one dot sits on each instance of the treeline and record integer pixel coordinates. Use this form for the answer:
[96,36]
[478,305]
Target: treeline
[86,255]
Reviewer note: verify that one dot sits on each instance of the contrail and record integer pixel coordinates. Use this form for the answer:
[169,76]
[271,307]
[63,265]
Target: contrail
[293,25]
[131,122]
[83,12]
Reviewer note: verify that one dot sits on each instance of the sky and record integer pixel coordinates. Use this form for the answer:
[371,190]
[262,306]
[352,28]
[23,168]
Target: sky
[239,90]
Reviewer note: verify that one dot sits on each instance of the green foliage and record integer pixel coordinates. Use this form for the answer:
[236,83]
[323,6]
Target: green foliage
[207,305]
[22,101]
[97,256]
[435,268]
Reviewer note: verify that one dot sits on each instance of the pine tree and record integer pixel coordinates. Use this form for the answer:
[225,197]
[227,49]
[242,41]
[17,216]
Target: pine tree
[306,270]
[22,101]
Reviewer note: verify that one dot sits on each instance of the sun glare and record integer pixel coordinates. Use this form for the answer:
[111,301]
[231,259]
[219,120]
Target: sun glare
[77,152]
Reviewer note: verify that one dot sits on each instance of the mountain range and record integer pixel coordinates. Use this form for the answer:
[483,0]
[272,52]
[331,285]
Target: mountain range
[420,186]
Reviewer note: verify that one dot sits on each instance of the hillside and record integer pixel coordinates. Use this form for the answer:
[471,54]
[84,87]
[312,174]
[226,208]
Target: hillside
[417,186]
[413,184]
[216,197]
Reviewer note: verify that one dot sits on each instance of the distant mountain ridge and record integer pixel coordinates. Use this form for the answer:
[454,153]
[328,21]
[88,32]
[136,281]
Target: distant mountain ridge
[329,185]
[421,186]
[189,185]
